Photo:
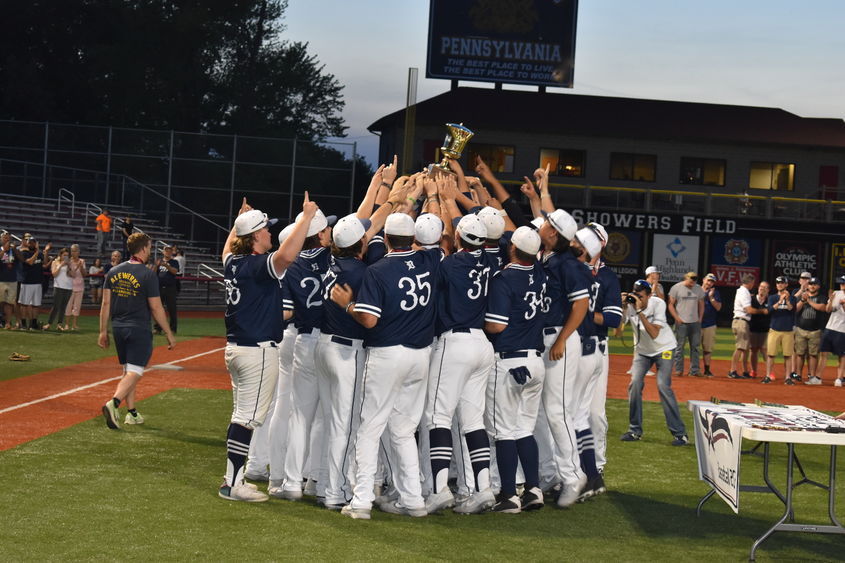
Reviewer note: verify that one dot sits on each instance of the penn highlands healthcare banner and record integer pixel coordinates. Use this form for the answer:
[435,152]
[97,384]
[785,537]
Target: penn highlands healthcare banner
[790,258]
[718,441]
[623,252]
[523,42]
[675,255]
[731,257]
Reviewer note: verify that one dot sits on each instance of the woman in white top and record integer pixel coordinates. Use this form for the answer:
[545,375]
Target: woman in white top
[77,272]
[62,289]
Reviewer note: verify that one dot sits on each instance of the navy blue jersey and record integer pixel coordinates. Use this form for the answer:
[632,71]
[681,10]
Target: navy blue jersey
[608,299]
[303,288]
[462,282]
[376,249]
[399,290]
[587,328]
[253,294]
[566,283]
[349,271]
[516,299]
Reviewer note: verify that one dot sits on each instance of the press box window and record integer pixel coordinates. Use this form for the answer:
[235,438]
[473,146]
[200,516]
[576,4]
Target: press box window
[498,157]
[633,167]
[563,162]
[772,176]
[702,171]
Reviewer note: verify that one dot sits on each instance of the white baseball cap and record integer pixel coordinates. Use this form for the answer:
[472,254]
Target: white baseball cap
[399,224]
[285,233]
[589,240]
[493,220]
[318,222]
[562,222]
[652,270]
[251,221]
[428,229]
[349,230]
[600,231]
[537,222]
[526,239]
[472,229]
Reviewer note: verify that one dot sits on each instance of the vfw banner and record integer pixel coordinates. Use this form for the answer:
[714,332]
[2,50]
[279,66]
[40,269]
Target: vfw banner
[675,255]
[731,257]
[718,441]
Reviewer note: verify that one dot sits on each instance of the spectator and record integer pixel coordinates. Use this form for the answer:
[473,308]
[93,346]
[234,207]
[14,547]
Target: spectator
[33,260]
[10,258]
[740,327]
[759,325]
[77,272]
[781,308]
[811,317]
[116,258]
[833,338]
[103,231]
[126,230]
[803,285]
[167,269]
[686,305]
[62,289]
[95,280]
[712,306]
[652,276]
[179,256]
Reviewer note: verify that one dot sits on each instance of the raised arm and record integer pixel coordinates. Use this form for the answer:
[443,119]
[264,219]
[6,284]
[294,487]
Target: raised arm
[289,249]
[366,207]
[230,240]
[527,188]
[542,177]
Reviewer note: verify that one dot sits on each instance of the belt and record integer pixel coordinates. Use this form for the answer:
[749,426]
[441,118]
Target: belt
[464,330]
[264,344]
[519,354]
[550,330]
[305,330]
[342,340]
[741,319]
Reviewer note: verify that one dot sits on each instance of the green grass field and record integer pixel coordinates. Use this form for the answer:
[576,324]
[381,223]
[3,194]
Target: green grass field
[149,493]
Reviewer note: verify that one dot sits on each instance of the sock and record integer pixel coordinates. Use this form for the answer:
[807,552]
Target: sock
[116,402]
[587,452]
[479,454]
[440,446]
[529,456]
[237,448]
[506,459]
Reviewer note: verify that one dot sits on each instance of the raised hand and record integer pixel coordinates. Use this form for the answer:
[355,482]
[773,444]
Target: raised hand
[244,207]
[309,208]
[481,168]
[391,171]
[528,189]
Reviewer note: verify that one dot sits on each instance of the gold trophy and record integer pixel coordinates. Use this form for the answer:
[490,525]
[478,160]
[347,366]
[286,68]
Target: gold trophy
[453,145]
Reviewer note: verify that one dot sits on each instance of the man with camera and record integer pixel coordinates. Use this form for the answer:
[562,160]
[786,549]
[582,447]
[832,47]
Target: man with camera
[654,344]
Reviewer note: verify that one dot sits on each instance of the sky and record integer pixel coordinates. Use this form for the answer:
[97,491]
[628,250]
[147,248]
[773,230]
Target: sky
[769,53]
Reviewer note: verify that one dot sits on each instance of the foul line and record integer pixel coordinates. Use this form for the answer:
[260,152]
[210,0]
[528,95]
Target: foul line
[110,379]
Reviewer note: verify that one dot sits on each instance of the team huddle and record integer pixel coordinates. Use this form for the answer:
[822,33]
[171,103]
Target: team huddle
[436,332]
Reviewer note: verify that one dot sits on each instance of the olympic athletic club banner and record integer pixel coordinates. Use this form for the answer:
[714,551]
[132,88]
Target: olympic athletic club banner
[837,259]
[718,441]
[675,255]
[731,257]
[790,258]
[623,253]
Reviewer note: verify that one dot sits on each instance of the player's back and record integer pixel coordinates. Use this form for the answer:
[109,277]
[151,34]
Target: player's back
[253,300]
[516,297]
[303,288]
[462,285]
[566,283]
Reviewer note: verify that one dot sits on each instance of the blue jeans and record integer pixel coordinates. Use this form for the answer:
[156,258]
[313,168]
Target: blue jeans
[664,387]
[684,331]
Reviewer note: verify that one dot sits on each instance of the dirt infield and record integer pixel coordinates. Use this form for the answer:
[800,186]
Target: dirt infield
[63,397]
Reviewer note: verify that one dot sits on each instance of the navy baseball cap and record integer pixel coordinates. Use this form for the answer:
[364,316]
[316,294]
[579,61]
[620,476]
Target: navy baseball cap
[814,281]
[781,279]
[840,279]
[642,285]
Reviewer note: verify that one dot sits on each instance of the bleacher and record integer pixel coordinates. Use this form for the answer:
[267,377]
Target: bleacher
[63,224]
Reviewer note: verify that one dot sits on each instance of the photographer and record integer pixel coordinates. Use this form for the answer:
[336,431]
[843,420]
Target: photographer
[654,344]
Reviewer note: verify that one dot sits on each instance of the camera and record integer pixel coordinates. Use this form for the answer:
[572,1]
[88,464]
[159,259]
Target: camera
[632,299]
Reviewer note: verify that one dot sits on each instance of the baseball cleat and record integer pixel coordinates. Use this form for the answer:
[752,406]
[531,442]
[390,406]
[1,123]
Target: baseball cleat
[110,414]
[263,477]
[243,493]
[390,495]
[396,508]
[355,513]
[597,486]
[571,493]
[438,501]
[310,488]
[532,499]
[508,505]
[477,503]
[282,493]
[133,419]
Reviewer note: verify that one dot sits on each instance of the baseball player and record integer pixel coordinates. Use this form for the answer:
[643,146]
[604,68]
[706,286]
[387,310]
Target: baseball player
[460,366]
[565,306]
[303,294]
[495,246]
[253,330]
[130,294]
[396,303]
[515,319]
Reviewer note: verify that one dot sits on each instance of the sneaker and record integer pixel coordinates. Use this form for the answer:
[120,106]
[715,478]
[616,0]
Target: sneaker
[110,413]
[707,372]
[768,379]
[508,505]
[746,375]
[438,501]
[355,513]
[137,418]
[680,441]
[532,499]
[396,508]
[241,492]
[837,383]
[753,374]
[286,494]
[788,381]
[696,374]
[571,493]
[649,372]
[477,503]
[733,374]
[630,437]
[310,488]
[813,380]
[795,377]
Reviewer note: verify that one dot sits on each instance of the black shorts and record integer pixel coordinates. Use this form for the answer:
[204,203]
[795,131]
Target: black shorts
[134,345]
[833,341]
